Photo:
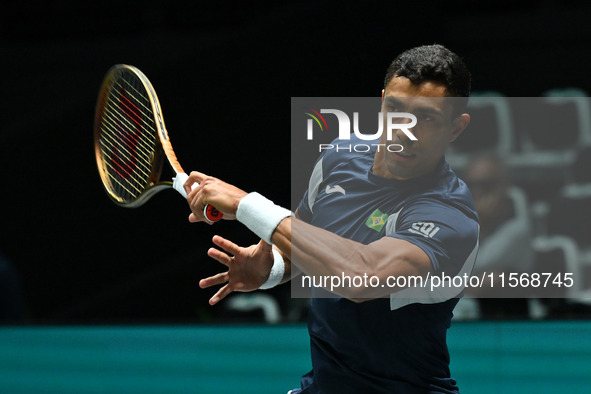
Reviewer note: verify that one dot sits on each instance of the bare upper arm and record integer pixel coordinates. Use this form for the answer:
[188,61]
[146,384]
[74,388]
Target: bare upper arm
[388,258]
[394,256]
[384,258]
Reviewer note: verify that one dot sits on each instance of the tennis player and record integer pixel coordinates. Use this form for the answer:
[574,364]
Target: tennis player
[399,215]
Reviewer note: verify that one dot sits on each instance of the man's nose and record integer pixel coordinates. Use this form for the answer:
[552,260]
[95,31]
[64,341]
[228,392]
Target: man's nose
[402,127]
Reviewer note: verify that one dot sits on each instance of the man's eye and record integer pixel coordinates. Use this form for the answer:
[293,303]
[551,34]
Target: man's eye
[427,117]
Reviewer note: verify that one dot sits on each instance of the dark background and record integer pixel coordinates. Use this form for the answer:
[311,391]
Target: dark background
[224,73]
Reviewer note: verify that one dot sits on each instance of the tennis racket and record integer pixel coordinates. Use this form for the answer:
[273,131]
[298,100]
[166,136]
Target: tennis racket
[131,142]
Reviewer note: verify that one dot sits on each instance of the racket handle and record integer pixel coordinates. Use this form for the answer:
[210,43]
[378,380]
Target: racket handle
[209,211]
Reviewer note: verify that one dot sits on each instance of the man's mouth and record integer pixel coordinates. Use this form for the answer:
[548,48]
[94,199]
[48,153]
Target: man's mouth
[404,153]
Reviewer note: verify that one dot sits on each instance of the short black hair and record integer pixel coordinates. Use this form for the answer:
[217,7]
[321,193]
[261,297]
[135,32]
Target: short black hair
[433,63]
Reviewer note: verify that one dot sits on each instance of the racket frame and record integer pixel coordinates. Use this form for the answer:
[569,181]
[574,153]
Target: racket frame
[162,150]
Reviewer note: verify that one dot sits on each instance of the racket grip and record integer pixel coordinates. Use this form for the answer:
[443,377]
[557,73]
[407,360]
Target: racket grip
[209,211]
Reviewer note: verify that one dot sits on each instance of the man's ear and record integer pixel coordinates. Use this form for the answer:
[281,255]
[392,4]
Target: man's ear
[459,125]
[383,95]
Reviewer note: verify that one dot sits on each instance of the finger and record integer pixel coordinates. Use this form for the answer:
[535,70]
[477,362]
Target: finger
[193,181]
[220,256]
[221,294]
[227,245]
[195,176]
[192,190]
[189,188]
[217,279]
[194,219]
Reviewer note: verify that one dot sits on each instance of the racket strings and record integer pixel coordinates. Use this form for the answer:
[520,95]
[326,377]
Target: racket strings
[128,135]
[122,153]
[118,132]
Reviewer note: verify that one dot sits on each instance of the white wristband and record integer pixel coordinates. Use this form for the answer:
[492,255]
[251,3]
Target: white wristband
[277,271]
[260,215]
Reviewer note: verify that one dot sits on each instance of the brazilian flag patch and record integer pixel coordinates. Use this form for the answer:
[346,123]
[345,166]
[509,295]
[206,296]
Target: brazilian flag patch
[377,220]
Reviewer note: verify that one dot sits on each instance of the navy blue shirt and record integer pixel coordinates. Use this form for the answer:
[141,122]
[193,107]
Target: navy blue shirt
[396,344]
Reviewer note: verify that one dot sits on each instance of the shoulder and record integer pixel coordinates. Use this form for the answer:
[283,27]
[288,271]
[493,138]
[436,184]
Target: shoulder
[446,204]
[342,152]
[449,193]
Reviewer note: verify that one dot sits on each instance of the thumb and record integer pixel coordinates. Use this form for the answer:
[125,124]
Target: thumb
[265,247]
[194,219]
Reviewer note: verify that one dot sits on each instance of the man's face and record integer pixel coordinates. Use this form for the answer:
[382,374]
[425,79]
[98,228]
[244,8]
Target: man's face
[436,127]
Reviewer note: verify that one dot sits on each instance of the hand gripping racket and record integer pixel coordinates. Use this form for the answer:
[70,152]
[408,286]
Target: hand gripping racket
[131,142]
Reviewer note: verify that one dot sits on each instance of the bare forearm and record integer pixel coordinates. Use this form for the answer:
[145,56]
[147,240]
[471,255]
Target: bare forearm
[320,253]
[316,250]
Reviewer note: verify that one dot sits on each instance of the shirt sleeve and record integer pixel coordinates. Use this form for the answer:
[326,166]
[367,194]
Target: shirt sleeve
[447,234]
[306,206]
